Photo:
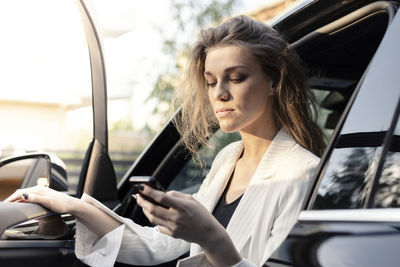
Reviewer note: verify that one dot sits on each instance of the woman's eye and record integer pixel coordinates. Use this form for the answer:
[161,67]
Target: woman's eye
[211,84]
[238,79]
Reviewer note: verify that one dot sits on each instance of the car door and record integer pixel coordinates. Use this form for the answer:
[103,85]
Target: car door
[351,216]
[34,236]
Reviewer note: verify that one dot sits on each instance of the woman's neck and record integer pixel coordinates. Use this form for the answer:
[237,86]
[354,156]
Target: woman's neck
[255,144]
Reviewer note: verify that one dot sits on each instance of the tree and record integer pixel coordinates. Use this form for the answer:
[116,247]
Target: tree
[187,16]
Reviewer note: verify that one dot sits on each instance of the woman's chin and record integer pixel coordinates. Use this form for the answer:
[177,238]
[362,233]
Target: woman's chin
[228,128]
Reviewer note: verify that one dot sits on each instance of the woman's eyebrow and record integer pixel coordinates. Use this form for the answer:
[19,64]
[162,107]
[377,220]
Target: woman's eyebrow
[227,70]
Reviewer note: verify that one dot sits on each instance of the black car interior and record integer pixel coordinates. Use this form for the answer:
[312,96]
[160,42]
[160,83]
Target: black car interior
[336,55]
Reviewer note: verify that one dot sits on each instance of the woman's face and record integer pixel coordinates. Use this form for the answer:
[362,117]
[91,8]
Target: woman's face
[239,91]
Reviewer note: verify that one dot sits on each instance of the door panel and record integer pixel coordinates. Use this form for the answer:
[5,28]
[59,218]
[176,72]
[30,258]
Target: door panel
[320,242]
[38,253]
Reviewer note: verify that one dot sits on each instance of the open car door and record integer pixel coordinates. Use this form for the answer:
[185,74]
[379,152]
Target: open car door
[34,236]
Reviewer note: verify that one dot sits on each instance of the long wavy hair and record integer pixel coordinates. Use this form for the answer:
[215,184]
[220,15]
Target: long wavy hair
[293,102]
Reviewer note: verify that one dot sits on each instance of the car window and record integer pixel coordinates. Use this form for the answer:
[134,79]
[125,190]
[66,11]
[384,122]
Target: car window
[352,164]
[45,86]
[323,114]
[388,189]
[353,161]
[195,170]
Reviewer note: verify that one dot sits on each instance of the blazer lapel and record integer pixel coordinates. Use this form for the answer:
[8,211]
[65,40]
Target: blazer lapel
[221,177]
[245,217]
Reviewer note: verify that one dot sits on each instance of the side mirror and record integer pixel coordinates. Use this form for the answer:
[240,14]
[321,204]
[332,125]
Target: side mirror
[29,170]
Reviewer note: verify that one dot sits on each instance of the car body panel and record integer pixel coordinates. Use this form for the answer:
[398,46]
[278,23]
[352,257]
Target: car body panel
[326,243]
[361,237]
[310,15]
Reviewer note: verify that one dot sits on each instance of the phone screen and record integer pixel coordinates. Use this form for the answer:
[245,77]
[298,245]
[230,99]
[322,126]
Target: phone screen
[148,180]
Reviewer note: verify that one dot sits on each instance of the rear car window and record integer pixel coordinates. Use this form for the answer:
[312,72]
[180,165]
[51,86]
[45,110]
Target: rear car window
[387,194]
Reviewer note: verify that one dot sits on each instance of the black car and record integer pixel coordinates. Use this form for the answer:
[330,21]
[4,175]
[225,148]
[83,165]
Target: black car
[351,214]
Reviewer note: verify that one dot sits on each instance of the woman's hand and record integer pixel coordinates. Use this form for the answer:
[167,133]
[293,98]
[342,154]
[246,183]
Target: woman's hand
[95,219]
[185,218]
[49,198]
[188,219]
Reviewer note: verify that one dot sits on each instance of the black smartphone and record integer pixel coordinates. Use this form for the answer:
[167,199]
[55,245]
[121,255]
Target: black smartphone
[148,180]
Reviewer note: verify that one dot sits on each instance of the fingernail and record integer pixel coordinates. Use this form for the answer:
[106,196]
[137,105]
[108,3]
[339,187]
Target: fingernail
[139,187]
[25,195]
[134,196]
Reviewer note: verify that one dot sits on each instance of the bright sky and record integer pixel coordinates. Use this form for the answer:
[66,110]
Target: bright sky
[43,51]
[135,57]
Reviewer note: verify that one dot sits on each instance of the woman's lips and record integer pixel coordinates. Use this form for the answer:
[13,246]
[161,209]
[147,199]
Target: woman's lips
[224,112]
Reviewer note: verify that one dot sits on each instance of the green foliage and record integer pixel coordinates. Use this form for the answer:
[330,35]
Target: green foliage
[121,125]
[187,16]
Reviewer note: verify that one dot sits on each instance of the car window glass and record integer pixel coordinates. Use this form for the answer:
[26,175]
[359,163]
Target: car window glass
[347,174]
[352,163]
[45,86]
[323,113]
[388,191]
[193,173]
[354,159]
[345,180]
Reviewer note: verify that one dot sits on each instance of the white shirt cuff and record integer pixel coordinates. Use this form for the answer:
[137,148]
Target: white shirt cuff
[97,252]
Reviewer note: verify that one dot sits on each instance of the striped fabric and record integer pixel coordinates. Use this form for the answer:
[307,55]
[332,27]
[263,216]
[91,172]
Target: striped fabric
[266,213]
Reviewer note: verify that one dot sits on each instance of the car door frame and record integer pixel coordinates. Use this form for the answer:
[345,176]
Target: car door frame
[97,176]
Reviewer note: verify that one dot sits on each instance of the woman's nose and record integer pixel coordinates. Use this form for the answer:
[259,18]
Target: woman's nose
[221,91]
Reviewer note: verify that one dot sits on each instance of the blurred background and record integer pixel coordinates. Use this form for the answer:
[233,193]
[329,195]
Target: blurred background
[45,84]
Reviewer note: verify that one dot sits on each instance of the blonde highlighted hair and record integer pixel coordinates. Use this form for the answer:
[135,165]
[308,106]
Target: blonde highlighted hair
[293,100]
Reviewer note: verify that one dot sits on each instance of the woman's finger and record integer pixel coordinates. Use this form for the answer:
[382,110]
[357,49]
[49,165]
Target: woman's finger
[153,209]
[38,189]
[14,196]
[165,230]
[160,221]
[156,220]
[178,194]
[162,197]
[34,198]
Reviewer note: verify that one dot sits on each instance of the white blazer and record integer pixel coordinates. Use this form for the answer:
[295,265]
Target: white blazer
[262,220]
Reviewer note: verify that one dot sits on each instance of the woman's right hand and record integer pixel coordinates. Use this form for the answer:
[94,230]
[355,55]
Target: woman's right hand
[49,198]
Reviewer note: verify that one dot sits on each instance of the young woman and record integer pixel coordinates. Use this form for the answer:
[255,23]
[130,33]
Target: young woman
[242,77]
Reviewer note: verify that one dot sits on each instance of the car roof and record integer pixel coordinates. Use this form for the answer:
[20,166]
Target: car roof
[308,15]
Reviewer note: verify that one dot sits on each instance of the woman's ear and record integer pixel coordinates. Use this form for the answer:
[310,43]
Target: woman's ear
[271,90]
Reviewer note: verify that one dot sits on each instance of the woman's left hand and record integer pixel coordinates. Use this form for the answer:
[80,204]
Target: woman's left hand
[185,218]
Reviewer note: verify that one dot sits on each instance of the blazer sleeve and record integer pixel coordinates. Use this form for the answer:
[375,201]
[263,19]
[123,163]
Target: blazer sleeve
[129,243]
